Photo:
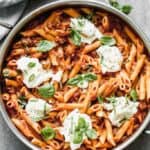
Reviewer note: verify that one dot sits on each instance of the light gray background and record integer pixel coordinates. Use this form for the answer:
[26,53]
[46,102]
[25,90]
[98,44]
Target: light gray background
[141,15]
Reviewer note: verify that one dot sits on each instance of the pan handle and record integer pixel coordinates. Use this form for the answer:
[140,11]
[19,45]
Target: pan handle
[147,131]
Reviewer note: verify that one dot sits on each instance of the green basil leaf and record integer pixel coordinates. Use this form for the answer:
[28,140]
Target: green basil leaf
[133,95]
[111,99]
[91,134]
[89,77]
[31,77]
[100,99]
[126,9]
[82,77]
[75,80]
[82,123]
[107,40]
[46,91]
[77,137]
[22,100]
[89,16]
[31,64]
[48,133]
[45,46]
[115,4]
[76,37]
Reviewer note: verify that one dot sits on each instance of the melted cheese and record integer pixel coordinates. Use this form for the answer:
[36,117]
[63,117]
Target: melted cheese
[69,125]
[122,109]
[40,75]
[37,109]
[110,58]
[87,29]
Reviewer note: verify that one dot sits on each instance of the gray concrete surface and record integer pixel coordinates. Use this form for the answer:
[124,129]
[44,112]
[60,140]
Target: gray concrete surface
[141,15]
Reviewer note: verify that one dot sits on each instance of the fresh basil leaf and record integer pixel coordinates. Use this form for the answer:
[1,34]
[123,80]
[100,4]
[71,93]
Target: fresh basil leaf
[45,46]
[111,99]
[76,37]
[82,123]
[91,134]
[89,77]
[31,64]
[48,133]
[75,80]
[31,77]
[81,22]
[81,78]
[126,9]
[107,40]
[100,99]
[133,95]
[115,4]
[22,100]
[46,91]
[77,137]
[89,16]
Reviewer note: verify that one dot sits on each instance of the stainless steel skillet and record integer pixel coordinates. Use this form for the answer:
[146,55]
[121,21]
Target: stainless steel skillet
[51,6]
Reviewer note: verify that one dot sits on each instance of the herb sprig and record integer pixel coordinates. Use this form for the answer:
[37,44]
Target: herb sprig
[123,8]
[81,78]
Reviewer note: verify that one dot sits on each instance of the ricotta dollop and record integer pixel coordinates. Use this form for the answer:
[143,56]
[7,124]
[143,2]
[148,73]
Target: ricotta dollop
[121,109]
[34,75]
[37,109]
[87,29]
[69,125]
[110,58]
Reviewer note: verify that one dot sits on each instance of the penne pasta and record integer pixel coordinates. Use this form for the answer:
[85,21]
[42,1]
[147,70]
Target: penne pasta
[76,78]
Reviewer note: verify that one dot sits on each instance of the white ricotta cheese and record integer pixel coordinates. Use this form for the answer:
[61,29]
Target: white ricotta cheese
[34,75]
[121,109]
[69,125]
[88,30]
[110,58]
[37,109]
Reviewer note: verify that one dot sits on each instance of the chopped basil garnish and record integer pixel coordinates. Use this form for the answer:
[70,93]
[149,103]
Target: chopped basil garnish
[100,99]
[81,78]
[124,8]
[45,46]
[82,125]
[22,100]
[89,16]
[107,40]
[81,130]
[31,77]
[111,99]
[31,64]
[91,134]
[46,91]
[133,95]
[115,4]
[76,37]
[48,133]
[77,137]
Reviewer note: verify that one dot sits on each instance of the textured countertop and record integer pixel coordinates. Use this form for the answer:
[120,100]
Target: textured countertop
[141,15]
